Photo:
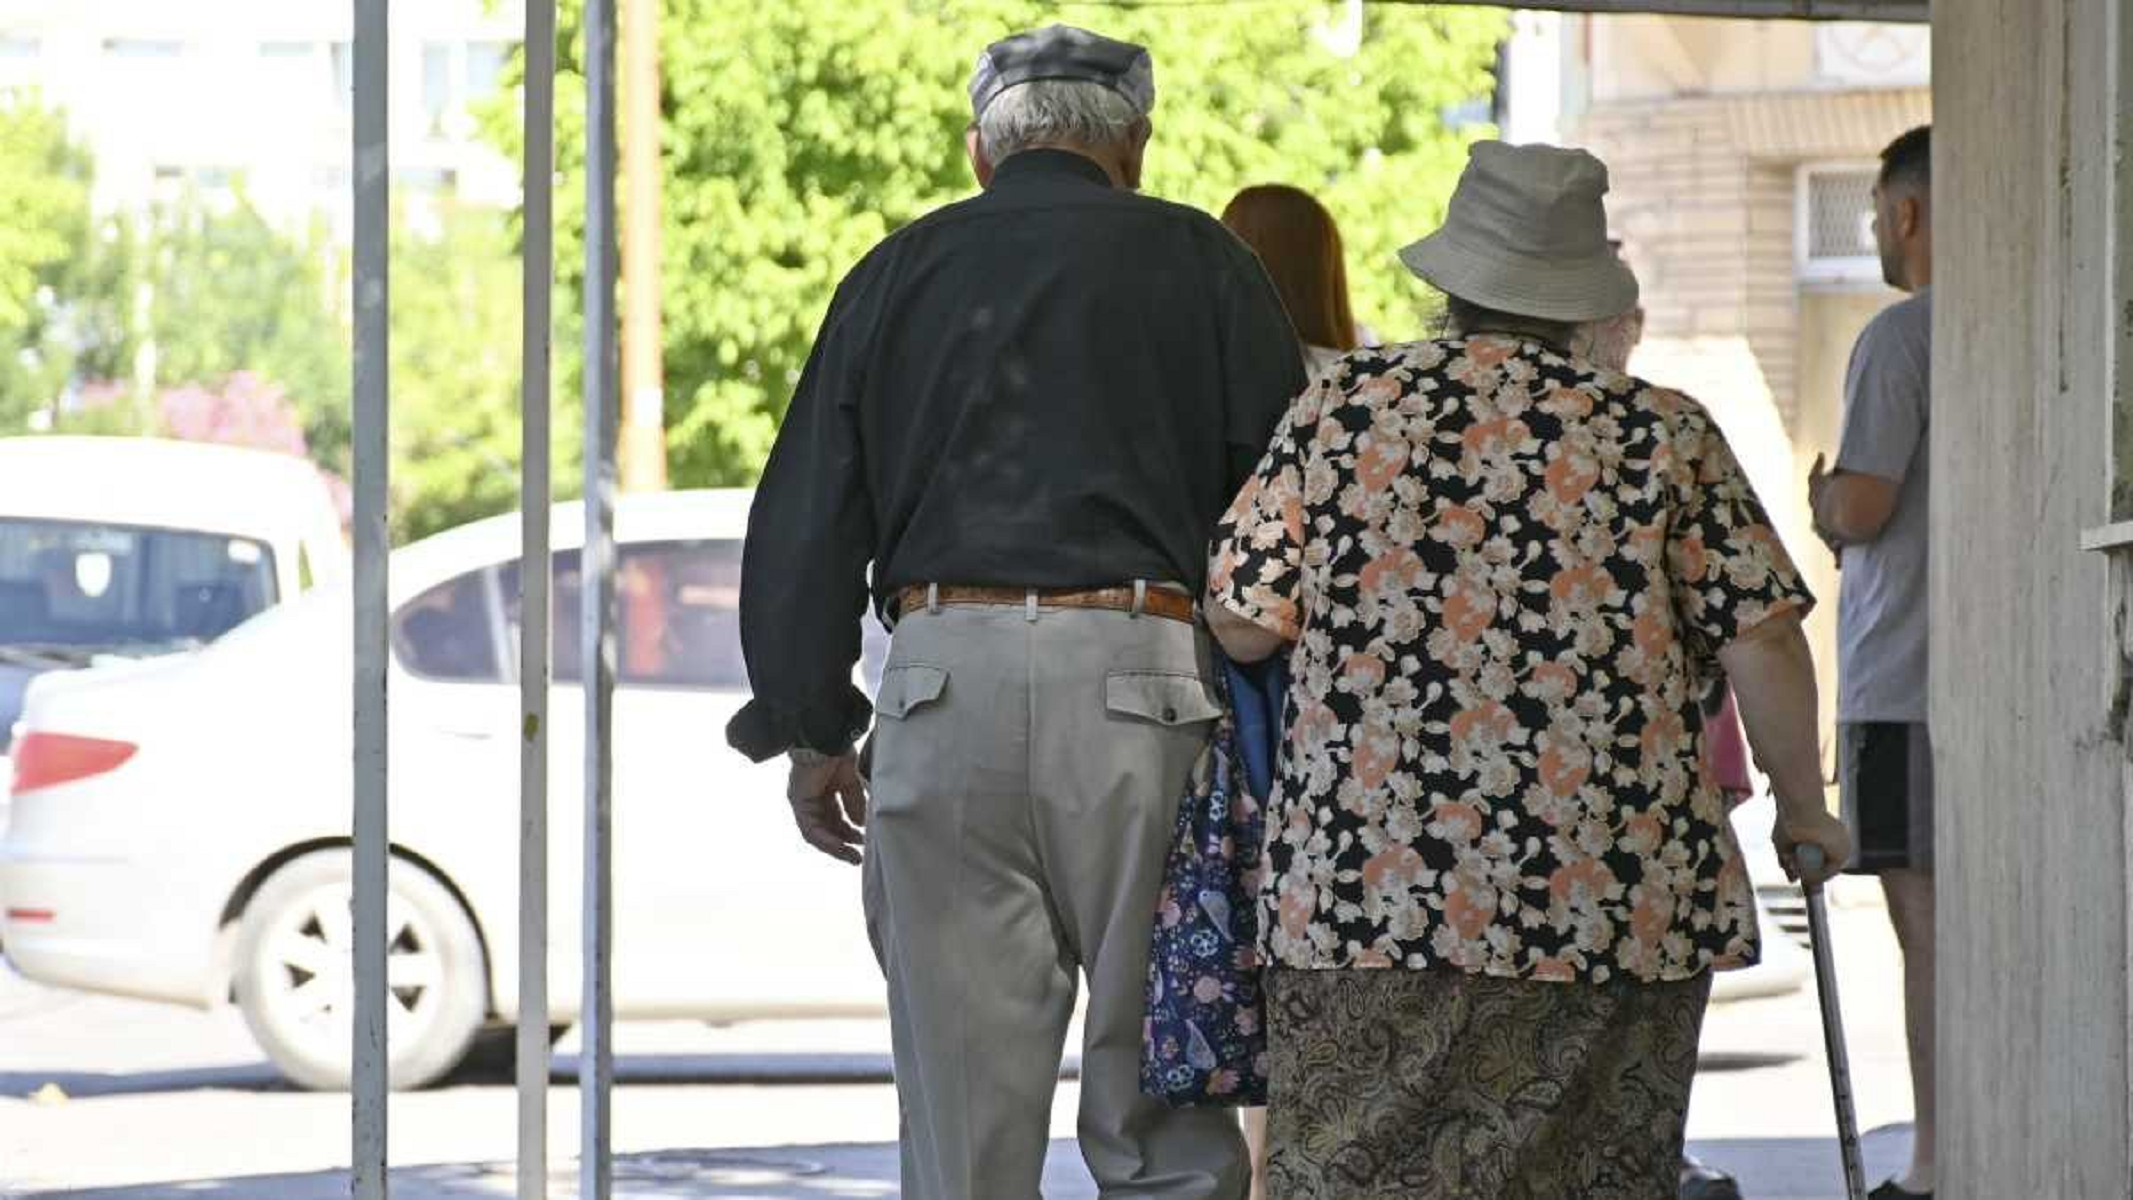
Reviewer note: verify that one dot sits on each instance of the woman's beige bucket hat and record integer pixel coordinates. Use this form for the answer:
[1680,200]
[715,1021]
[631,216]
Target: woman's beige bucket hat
[1526,234]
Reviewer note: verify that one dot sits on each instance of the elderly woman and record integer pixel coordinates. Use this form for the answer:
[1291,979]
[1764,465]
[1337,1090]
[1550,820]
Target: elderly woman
[1498,879]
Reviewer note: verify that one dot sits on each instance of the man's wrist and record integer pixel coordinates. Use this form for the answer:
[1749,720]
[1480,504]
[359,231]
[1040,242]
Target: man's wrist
[808,756]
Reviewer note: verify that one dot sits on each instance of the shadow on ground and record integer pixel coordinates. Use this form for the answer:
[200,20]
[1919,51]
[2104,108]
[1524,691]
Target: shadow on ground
[84,1085]
[636,1070]
[640,1070]
[1769,1169]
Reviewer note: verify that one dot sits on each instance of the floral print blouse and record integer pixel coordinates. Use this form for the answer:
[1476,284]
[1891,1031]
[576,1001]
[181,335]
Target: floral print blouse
[1508,574]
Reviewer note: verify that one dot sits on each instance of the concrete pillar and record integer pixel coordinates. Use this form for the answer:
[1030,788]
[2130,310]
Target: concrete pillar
[2032,848]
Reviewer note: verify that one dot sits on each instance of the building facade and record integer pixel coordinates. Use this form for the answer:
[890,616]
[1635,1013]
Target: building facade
[1742,155]
[2032,446]
[256,95]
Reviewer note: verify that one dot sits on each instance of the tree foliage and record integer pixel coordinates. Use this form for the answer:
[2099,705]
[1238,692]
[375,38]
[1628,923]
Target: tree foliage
[185,294]
[235,297]
[455,375]
[228,291]
[799,134]
[201,319]
[45,240]
[795,137]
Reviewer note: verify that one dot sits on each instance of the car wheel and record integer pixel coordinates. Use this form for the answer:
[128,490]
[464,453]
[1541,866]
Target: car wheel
[295,981]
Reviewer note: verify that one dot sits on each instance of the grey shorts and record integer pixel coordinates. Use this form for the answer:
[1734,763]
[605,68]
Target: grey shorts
[1885,775]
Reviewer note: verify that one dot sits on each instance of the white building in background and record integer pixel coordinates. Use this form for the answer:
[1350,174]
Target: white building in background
[255,94]
[1742,156]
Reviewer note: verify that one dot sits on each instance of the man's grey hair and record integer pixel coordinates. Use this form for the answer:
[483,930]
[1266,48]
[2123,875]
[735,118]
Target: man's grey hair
[1054,112]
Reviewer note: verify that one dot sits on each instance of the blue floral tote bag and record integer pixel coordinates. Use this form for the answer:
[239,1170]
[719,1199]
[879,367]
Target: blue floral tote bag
[1204,1042]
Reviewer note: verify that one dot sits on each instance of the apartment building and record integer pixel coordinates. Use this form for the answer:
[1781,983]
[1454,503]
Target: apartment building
[256,94]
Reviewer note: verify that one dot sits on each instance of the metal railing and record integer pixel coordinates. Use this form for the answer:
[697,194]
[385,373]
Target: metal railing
[372,306]
[371,179]
[1914,11]
[596,1061]
[537,250]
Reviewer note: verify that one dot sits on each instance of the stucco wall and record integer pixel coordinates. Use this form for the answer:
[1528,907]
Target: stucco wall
[1703,192]
[1652,57]
[2032,843]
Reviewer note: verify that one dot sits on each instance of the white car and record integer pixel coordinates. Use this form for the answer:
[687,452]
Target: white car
[181,826]
[129,547]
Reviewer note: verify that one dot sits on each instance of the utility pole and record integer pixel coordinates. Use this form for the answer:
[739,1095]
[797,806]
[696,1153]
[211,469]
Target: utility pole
[643,417]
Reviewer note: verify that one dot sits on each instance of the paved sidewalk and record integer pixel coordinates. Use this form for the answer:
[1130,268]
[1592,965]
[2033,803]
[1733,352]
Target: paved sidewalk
[1769,1169]
[113,1098]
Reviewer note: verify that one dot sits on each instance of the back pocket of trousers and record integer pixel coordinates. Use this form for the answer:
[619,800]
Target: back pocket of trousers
[1163,697]
[906,689]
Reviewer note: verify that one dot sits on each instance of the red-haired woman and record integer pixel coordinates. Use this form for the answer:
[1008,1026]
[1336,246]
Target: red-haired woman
[1296,238]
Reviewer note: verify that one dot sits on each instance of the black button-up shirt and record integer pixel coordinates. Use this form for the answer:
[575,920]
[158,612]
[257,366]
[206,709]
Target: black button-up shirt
[1054,384]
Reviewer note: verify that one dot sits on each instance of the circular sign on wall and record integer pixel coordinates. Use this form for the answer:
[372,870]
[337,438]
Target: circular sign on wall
[1869,53]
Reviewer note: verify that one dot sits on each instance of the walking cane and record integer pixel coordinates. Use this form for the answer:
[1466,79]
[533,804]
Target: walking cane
[1840,1069]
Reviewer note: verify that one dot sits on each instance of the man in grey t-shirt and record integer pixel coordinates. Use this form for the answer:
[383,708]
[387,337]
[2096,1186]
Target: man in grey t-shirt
[1872,511]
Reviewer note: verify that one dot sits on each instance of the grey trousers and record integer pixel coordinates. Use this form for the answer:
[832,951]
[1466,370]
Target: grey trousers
[1025,779]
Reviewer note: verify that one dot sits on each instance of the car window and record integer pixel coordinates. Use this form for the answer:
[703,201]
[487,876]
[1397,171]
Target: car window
[678,605]
[445,632]
[680,610]
[563,608]
[678,614]
[77,584]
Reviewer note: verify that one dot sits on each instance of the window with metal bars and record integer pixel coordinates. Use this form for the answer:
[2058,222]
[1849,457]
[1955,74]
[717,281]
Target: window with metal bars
[1836,225]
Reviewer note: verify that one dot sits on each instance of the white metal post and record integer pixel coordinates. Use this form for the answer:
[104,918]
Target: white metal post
[602,377]
[537,252]
[373,216]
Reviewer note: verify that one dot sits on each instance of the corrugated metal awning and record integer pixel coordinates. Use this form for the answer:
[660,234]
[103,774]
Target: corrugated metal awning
[1824,124]
[1805,10]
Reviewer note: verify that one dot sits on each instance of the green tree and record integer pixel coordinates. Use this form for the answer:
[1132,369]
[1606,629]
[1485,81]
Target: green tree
[223,291]
[799,134]
[234,295]
[187,294]
[199,317]
[455,374]
[248,332]
[44,244]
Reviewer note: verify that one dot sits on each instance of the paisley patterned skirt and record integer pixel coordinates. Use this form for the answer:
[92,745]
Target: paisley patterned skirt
[1427,1084]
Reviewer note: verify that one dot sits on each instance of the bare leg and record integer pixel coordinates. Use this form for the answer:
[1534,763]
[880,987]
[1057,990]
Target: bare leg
[1910,900]
[1255,1145]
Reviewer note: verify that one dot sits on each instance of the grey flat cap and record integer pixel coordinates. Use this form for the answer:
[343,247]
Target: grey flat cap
[1064,52]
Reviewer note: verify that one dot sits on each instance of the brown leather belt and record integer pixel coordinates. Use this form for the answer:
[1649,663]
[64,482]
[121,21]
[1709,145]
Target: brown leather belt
[1156,602]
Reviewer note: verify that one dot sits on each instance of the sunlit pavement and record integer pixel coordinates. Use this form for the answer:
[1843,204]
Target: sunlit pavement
[108,1098]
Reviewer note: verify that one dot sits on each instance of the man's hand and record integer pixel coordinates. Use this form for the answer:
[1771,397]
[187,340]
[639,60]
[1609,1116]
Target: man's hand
[829,803]
[1818,828]
[1818,487]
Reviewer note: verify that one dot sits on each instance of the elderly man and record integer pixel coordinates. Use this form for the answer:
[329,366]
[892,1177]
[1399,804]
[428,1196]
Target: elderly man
[1025,411]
